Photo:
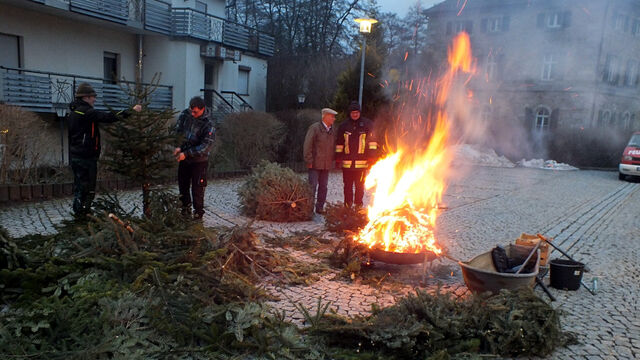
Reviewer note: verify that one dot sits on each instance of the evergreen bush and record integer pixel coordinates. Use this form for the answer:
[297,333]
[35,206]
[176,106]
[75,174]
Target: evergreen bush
[296,123]
[275,193]
[246,139]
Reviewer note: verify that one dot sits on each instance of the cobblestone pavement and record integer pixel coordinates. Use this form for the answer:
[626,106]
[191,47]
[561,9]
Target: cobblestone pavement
[591,215]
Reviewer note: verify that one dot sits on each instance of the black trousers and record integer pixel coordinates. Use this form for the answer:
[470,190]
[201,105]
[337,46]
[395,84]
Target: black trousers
[85,172]
[352,178]
[194,176]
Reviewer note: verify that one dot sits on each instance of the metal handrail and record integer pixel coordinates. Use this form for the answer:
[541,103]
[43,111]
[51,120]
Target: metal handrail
[218,95]
[235,94]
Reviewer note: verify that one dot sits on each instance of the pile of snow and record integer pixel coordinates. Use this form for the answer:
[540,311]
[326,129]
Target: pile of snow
[545,164]
[476,155]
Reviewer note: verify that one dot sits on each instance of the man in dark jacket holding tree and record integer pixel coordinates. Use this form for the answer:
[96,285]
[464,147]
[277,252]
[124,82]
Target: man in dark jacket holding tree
[356,151]
[85,146]
[195,125]
[319,145]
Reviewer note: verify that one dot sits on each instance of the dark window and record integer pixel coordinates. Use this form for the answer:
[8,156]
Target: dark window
[201,6]
[9,51]
[110,68]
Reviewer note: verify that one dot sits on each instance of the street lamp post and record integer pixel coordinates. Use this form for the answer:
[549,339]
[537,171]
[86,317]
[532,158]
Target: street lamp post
[365,28]
[301,98]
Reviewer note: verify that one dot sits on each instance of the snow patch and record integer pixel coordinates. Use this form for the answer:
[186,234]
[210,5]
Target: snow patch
[545,164]
[477,155]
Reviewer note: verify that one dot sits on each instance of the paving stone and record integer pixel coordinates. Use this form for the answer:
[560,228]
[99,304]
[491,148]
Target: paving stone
[590,214]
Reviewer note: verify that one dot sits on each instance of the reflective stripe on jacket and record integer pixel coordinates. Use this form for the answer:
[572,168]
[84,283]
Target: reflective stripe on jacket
[356,147]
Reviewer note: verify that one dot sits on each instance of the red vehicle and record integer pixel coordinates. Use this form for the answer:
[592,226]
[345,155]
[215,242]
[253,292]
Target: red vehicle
[630,163]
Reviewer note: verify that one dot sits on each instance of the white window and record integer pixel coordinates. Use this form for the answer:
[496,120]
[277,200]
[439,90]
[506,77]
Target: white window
[492,67]
[625,122]
[9,51]
[554,20]
[201,6]
[605,121]
[548,67]
[243,81]
[631,73]
[493,25]
[459,27]
[620,21]
[611,70]
[543,118]
[486,114]
[636,27]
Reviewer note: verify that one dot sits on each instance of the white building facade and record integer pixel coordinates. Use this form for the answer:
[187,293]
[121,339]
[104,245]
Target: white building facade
[185,47]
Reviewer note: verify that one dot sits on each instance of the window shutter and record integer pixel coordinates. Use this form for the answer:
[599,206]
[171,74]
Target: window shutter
[566,19]
[449,28]
[506,20]
[553,119]
[540,22]
[483,25]
[468,25]
[528,119]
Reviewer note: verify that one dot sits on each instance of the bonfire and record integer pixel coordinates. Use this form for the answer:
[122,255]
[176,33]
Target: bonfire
[408,184]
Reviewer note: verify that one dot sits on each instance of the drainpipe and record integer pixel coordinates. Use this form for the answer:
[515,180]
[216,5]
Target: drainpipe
[139,66]
[598,59]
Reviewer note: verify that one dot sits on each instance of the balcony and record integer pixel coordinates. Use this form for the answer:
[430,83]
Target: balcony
[160,17]
[193,23]
[41,91]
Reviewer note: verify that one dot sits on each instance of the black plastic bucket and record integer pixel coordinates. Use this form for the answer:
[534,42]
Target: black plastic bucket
[566,274]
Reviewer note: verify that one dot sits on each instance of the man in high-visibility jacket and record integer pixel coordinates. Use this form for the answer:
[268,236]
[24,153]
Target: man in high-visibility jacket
[356,151]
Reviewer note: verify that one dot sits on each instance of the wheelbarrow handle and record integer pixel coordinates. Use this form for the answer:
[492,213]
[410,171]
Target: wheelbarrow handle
[560,250]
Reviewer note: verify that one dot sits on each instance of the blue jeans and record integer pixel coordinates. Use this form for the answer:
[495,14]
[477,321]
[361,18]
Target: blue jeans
[319,180]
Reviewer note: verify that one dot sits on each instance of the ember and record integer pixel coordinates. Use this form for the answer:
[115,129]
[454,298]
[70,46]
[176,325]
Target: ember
[410,181]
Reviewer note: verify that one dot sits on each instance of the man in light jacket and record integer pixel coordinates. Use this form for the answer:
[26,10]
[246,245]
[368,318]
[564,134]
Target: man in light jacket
[319,152]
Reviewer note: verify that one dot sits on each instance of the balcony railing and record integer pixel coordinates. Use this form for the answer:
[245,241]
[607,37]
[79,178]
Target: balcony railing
[46,91]
[160,17]
[193,23]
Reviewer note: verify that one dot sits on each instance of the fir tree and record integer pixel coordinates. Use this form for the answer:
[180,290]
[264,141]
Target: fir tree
[140,146]
[373,96]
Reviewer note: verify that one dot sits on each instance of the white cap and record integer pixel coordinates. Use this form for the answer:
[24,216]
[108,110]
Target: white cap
[329,111]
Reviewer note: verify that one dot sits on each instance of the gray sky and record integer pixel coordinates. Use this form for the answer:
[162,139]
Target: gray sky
[400,7]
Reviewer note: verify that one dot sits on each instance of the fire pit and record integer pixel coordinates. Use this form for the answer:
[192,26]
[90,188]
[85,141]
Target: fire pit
[397,258]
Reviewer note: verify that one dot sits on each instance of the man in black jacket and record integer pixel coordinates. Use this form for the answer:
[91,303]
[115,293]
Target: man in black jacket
[193,154]
[84,145]
[356,151]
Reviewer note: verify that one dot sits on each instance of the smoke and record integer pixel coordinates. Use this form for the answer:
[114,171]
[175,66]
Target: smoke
[546,75]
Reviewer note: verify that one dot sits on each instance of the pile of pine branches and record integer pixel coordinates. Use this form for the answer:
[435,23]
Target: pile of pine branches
[276,193]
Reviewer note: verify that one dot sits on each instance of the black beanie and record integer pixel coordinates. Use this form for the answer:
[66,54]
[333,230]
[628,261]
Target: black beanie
[84,89]
[354,106]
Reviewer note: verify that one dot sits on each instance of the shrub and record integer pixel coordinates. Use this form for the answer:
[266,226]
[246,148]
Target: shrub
[296,123]
[275,193]
[247,138]
[25,144]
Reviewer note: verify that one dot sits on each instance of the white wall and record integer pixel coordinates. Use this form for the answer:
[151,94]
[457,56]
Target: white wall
[61,45]
[214,7]
[228,80]
[179,64]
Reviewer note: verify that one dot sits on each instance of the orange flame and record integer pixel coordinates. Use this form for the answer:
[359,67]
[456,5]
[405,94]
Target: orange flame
[410,181]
